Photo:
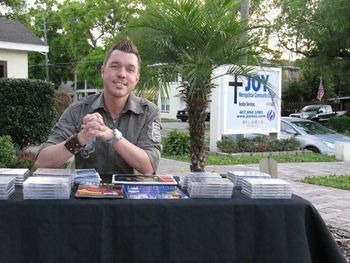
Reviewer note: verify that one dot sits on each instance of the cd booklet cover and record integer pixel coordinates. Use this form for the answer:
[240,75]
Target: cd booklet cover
[99,190]
[154,192]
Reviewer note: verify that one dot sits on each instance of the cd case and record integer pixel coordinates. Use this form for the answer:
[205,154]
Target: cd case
[143,179]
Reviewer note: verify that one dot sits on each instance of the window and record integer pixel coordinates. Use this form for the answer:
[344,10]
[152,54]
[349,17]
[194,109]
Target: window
[285,127]
[80,96]
[3,69]
[165,105]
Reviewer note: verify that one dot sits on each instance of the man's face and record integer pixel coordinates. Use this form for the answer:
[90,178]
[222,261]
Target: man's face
[120,74]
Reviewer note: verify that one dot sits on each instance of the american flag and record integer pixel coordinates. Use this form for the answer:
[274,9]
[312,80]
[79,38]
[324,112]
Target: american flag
[320,91]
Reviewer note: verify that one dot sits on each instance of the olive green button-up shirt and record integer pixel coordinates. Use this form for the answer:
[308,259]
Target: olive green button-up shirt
[139,123]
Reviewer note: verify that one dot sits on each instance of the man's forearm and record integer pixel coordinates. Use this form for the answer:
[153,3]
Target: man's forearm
[53,156]
[136,157]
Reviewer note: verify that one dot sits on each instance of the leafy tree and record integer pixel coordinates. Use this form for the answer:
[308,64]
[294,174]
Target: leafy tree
[77,33]
[90,66]
[89,28]
[7,7]
[106,19]
[190,38]
[45,15]
[319,31]
[305,90]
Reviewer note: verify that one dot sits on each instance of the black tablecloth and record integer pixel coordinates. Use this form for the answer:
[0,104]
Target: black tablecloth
[194,230]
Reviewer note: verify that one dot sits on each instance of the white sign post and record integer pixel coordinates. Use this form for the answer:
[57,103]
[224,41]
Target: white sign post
[241,105]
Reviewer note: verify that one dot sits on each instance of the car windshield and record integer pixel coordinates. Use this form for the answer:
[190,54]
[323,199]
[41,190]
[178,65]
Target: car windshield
[310,109]
[312,127]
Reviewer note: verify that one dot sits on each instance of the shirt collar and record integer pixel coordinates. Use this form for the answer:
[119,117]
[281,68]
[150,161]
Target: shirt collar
[133,104]
[98,103]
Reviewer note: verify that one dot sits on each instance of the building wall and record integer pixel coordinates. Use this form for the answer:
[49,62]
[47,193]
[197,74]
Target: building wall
[17,63]
[174,99]
[289,75]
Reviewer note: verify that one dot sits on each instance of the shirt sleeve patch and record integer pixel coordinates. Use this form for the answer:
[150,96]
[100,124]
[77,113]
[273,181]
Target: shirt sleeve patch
[155,132]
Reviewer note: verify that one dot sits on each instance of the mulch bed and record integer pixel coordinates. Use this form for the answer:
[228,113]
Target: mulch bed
[342,238]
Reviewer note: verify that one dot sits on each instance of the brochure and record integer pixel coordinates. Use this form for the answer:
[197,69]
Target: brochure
[143,179]
[153,192]
[99,190]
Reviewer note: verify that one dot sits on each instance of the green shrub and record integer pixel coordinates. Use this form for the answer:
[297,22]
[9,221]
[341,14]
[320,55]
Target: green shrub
[176,143]
[28,110]
[61,101]
[291,144]
[258,144]
[248,145]
[25,160]
[227,145]
[340,124]
[7,152]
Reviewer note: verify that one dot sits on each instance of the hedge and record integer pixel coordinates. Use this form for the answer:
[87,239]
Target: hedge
[28,110]
[257,144]
[340,124]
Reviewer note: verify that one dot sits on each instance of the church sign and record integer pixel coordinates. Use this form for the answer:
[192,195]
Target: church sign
[243,105]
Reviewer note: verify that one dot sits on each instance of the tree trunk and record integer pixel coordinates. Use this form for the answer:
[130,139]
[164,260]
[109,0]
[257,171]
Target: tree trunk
[196,117]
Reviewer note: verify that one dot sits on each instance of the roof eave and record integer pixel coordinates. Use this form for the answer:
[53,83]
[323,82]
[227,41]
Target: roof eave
[24,47]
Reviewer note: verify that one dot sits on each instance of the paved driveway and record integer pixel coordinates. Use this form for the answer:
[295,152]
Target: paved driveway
[169,126]
[181,126]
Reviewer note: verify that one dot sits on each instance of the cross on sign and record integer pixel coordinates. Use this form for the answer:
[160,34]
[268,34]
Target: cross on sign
[235,84]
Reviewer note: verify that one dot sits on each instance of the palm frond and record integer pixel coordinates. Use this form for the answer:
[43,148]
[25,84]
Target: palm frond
[191,38]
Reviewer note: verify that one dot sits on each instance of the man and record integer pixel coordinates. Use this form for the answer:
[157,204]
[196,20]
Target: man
[113,132]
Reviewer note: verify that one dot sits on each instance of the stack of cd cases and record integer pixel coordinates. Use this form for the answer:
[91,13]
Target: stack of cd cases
[56,172]
[237,176]
[7,186]
[206,187]
[46,187]
[266,188]
[21,174]
[86,176]
[185,179]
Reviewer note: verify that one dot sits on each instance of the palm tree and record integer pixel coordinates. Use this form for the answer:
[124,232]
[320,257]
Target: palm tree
[190,38]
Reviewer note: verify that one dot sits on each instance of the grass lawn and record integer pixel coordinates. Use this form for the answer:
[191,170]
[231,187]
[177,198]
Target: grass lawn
[169,120]
[335,181]
[227,160]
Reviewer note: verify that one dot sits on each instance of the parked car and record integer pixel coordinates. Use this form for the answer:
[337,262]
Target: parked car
[311,135]
[183,115]
[318,113]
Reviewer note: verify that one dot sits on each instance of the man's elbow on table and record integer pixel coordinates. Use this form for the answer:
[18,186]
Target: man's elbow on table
[52,157]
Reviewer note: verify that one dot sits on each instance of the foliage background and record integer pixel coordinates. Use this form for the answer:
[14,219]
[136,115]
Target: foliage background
[28,110]
[79,32]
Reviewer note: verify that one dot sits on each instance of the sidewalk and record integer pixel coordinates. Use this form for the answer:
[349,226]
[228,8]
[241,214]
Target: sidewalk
[332,204]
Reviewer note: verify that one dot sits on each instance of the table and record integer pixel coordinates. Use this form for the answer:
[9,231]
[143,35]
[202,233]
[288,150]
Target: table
[194,230]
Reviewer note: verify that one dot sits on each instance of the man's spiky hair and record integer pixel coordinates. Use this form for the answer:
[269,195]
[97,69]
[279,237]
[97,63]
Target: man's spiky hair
[127,46]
